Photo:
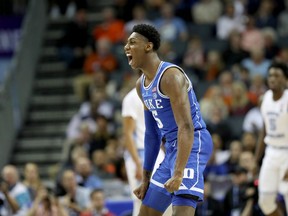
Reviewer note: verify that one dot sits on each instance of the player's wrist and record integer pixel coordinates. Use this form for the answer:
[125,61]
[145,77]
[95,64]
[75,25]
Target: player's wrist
[178,173]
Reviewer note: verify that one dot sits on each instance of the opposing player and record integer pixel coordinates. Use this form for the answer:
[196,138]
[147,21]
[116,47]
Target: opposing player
[171,112]
[274,170]
[133,130]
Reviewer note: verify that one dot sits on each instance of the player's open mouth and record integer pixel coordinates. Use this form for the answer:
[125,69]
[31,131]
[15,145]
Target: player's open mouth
[129,59]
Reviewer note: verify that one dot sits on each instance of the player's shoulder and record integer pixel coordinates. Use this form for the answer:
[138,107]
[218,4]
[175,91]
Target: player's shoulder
[131,94]
[268,94]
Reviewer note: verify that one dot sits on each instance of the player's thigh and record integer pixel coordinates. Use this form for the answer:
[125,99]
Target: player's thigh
[131,171]
[155,202]
[146,210]
[193,180]
[183,211]
[283,187]
[269,177]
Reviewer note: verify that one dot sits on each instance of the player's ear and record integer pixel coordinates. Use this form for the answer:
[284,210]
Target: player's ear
[149,46]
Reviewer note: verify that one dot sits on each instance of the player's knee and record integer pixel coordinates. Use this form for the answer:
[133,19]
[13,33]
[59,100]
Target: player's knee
[267,204]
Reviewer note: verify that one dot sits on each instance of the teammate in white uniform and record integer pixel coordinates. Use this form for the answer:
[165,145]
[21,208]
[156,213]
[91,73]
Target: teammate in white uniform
[133,129]
[274,170]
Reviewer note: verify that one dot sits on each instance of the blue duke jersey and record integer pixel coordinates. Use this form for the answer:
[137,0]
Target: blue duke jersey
[159,105]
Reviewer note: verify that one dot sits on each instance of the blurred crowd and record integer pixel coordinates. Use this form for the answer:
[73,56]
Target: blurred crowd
[224,46]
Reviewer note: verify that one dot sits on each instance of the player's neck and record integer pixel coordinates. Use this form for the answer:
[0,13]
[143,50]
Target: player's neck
[277,94]
[151,66]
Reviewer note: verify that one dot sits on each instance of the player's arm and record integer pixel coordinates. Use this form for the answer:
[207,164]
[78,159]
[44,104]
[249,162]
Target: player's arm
[260,145]
[152,139]
[128,130]
[174,84]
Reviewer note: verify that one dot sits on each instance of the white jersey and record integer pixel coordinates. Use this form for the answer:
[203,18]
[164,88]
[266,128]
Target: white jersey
[275,116]
[132,106]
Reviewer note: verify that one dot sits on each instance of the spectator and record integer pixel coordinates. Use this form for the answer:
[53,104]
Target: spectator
[206,11]
[171,27]
[209,206]
[167,53]
[283,55]
[252,37]
[212,96]
[240,100]
[139,16]
[247,160]
[85,176]
[235,150]
[249,141]
[194,57]
[98,205]
[46,204]
[257,88]
[32,179]
[226,83]
[253,121]
[73,43]
[283,22]
[256,63]
[110,28]
[213,65]
[265,16]
[241,74]
[76,198]
[66,8]
[104,168]
[270,43]
[229,22]
[124,9]
[234,53]
[217,122]
[96,63]
[101,59]
[15,195]
[102,134]
[237,197]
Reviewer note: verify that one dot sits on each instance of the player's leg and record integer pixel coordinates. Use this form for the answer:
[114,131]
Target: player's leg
[133,183]
[159,160]
[155,203]
[184,205]
[269,179]
[157,198]
[183,211]
[192,187]
[283,188]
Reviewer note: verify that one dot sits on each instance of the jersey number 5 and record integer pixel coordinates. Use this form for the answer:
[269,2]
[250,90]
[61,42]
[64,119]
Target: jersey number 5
[159,123]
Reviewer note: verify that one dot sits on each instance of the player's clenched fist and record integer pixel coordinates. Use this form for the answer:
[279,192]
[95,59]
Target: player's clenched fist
[140,192]
[173,184]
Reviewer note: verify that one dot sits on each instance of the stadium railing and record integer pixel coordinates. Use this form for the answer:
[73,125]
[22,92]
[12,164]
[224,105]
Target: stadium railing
[16,89]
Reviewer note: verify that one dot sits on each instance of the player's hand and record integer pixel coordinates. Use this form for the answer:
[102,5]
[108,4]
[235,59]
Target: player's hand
[173,183]
[285,178]
[140,192]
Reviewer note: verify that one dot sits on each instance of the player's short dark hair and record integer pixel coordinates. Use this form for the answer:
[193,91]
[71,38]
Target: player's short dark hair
[150,33]
[280,65]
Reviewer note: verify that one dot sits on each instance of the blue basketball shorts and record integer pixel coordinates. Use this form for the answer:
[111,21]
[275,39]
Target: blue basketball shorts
[193,180]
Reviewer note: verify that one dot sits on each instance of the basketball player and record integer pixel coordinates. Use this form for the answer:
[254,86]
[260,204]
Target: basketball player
[133,130]
[171,112]
[273,173]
